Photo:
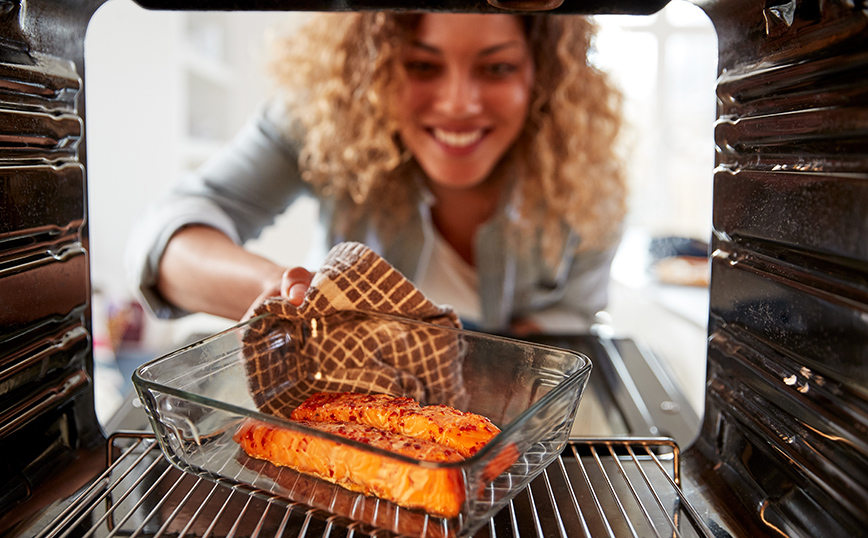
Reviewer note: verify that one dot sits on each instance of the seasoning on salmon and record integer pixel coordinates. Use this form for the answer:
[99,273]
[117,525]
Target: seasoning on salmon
[439,491]
[464,432]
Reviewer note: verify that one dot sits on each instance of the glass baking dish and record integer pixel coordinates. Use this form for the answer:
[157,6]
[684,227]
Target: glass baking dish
[197,397]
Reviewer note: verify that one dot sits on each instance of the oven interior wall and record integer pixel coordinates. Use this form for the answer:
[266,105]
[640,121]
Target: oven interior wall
[46,393]
[786,415]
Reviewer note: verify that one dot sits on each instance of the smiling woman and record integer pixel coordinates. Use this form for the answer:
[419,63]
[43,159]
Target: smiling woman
[462,106]
[475,153]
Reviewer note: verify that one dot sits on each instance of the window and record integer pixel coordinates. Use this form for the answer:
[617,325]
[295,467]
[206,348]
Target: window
[666,66]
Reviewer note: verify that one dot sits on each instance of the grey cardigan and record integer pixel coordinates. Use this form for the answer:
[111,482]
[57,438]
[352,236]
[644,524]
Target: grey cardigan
[246,186]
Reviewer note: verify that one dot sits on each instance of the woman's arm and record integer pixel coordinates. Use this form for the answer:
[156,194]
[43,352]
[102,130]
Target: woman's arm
[203,270]
[232,197]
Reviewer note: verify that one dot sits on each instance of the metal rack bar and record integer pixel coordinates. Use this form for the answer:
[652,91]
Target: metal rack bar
[123,496]
[84,499]
[198,511]
[687,506]
[614,493]
[575,502]
[635,491]
[597,505]
[553,499]
[130,513]
[598,487]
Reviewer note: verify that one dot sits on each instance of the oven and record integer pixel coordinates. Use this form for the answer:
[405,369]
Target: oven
[780,450]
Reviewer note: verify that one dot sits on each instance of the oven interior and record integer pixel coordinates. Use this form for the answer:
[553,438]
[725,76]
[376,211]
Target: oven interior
[779,450]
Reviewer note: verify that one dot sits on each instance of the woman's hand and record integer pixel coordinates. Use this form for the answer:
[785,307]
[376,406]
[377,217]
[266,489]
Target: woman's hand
[524,327]
[292,285]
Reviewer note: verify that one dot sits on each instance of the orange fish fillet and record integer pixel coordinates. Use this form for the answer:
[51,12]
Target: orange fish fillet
[439,491]
[464,432]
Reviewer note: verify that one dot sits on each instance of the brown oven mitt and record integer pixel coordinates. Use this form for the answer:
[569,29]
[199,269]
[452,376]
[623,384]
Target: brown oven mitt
[324,345]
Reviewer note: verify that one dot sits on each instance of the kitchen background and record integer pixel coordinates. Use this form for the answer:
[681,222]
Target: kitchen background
[159,107]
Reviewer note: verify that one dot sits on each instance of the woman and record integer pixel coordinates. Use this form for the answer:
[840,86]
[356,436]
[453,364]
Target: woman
[473,152]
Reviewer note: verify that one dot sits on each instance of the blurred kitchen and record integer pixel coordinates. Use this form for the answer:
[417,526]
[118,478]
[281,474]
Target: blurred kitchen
[159,107]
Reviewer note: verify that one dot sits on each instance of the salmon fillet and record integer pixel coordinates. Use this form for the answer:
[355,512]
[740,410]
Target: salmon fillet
[439,491]
[464,432]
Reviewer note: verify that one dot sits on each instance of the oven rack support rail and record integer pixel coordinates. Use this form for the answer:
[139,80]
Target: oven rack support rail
[621,487]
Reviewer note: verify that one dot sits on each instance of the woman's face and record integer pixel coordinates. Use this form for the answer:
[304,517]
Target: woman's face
[468,87]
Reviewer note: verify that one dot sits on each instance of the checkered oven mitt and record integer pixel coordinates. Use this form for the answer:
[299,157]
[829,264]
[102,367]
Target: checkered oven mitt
[324,345]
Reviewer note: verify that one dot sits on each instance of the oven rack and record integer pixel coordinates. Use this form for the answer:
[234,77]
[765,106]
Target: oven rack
[616,487]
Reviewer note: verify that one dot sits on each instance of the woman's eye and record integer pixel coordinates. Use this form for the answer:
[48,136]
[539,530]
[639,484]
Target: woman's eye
[499,69]
[421,69]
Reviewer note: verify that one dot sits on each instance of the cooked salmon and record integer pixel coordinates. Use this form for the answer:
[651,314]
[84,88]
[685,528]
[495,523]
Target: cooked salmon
[438,491]
[464,432]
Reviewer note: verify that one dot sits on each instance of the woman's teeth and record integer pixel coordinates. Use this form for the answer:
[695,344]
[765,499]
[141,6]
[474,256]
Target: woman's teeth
[458,140]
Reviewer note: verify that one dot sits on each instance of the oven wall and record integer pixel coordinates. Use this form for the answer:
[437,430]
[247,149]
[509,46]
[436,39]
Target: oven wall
[786,426]
[47,420]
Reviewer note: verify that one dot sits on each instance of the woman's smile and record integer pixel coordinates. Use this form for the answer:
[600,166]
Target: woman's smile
[457,139]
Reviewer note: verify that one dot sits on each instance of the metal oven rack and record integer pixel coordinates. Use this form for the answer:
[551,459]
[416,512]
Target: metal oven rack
[596,487]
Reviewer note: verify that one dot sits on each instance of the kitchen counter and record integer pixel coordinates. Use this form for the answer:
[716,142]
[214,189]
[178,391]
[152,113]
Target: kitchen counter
[671,320]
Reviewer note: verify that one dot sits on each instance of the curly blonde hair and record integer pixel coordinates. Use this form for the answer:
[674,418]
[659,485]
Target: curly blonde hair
[340,71]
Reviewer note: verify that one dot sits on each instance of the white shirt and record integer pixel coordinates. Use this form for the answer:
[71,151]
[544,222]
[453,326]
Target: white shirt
[449,280]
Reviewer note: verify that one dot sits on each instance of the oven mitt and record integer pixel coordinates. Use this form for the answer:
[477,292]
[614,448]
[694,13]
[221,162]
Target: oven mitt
[324,345]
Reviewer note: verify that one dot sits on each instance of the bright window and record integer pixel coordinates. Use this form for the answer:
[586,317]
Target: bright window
[666,66]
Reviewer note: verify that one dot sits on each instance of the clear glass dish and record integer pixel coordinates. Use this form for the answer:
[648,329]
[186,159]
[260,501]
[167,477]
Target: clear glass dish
[198,397]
